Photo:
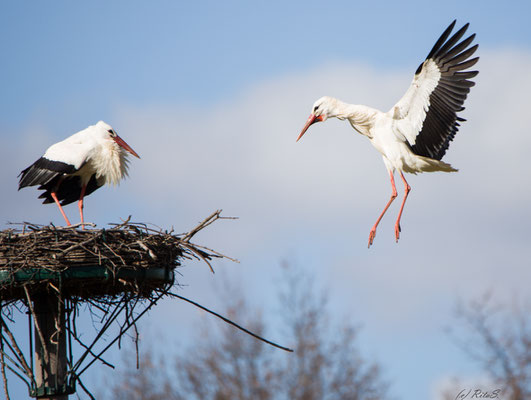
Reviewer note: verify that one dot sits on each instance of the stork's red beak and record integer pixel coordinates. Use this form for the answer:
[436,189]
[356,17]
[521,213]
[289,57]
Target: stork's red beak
[312,119]
[120,142]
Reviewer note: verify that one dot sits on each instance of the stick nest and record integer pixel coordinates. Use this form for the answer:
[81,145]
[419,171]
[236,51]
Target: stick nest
[89,263]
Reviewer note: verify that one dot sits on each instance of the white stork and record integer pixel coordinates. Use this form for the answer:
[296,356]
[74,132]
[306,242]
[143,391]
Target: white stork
[414,135]
[77,166]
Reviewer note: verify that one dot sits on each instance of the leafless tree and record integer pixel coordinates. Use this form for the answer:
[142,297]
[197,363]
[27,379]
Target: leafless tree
[226,364]
[499,339]
[152,381]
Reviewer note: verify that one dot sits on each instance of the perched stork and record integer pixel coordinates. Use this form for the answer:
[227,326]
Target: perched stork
[414,135]
[75,167]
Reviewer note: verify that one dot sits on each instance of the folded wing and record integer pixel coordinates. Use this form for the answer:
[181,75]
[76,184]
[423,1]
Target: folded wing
[56,171]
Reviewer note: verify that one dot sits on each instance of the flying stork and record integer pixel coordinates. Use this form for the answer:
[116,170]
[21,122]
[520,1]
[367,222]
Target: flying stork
[415,133]
[77,166]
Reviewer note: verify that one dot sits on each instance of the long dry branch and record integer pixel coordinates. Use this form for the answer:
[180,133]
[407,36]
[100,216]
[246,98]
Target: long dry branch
[3,368]
[15,362]
[18,352]
[228,321]
[89,350]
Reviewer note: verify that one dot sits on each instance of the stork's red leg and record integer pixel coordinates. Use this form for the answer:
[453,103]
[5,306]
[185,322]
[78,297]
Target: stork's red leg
[372,233]
[80,204]
[407,189]
[54,196]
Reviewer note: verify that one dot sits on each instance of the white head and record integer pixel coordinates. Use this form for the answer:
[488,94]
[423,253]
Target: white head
[323,109]
[109,157]
[106,132]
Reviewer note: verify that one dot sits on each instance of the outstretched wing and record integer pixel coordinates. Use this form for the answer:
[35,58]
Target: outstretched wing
[427,113]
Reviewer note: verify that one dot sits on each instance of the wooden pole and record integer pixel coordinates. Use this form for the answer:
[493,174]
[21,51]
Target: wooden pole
[50,356]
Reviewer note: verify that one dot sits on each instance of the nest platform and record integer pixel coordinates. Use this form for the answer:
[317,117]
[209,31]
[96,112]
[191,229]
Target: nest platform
[91,263]
[53,273]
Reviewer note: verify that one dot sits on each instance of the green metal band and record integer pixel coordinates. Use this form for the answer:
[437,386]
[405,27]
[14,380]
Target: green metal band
[86,272]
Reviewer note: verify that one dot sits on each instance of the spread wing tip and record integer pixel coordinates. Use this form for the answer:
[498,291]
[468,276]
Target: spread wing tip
[443,81]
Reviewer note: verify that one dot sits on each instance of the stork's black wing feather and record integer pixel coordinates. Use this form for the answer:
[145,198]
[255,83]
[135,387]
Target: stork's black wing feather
[43,171]
[437,93]
[56,176]
[69,189]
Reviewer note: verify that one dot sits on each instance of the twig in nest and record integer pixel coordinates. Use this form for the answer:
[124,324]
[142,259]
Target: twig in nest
[144,247]
[207,221]
[124,223]
[81,244]
[200,255]
[82,225]
[215,253]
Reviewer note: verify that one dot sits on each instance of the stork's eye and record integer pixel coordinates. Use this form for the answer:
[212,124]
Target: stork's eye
[111,132]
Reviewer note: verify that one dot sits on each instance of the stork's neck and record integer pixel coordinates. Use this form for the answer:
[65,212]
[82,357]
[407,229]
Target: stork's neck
[360,117]
[110,163]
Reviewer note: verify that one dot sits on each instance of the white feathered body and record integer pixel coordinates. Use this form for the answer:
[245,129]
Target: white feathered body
[90,158]
[388,134]
[91,153]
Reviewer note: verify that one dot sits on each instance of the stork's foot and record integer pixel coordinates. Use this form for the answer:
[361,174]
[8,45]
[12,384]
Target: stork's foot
[372,235]
[397,231]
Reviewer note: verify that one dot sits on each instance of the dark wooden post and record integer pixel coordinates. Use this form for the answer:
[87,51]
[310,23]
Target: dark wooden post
[50,348]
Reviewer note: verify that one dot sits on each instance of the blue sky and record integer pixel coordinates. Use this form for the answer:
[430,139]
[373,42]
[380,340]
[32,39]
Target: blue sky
[76,61]
[213,95]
